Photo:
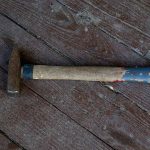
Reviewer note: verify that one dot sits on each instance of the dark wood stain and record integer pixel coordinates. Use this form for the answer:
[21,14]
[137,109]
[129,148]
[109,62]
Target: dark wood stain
[36,124]
[123,139]
[78,45]
[12,146]
[76,114]
[6,144]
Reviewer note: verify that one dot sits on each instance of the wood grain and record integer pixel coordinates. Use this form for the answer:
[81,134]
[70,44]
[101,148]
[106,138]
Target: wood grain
[74,35]
[6,45]
[137,92]
[112,53]
[84,73]
[87,103]
[106,114]
[36,124]
[32,49]
[130,12]
[34,52]
[90,105]
[120,29]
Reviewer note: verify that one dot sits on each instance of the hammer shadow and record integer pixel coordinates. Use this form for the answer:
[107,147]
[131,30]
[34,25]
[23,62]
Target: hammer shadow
[6,46]
[3,80]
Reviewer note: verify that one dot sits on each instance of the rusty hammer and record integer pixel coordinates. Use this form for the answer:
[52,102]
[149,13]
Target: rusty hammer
[88,73]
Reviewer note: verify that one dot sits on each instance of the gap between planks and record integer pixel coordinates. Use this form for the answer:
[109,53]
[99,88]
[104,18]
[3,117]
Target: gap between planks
[49,105]
[66,57]
[17,145]
[111,35]
[69,59]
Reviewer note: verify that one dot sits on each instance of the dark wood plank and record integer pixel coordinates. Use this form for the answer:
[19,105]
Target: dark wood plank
[6,144]
[93,107]
[40,53]
[55,24]
[134,14]
[88,102]
[124,32]
[137,92]
[130,12]
[36,124]
[32,49]
[37,58]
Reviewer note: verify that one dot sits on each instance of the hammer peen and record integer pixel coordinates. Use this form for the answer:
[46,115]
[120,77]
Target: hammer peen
[86,73]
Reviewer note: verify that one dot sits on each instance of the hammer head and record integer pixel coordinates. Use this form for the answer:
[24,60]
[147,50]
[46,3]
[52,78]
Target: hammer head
[14,74]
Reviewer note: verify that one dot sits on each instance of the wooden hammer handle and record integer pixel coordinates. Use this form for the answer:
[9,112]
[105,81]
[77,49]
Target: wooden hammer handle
[72,73]
[104,74]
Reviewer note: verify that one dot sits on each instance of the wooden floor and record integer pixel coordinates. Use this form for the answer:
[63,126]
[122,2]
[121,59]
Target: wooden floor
[76,115]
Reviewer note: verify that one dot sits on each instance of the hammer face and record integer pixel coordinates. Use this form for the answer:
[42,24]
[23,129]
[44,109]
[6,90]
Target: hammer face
[14,69]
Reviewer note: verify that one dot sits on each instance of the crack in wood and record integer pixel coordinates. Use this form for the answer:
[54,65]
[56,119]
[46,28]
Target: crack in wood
[54,50]
[12,141]
[110,87]
[86,1]
[39,38]
[89,17]
[100,96]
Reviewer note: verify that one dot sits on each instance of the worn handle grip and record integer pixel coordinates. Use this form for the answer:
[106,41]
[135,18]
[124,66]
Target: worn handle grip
[104,74]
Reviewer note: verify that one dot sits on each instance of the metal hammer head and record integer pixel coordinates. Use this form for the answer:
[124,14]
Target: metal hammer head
[14,74]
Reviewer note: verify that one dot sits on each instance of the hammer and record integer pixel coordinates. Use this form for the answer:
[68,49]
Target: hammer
[16,71]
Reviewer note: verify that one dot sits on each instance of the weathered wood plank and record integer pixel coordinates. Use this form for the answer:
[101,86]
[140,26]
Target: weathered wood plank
[89,113]
[130,12]
[137,92]
[134,14]
[140,19]
[89,104]
[55,24]
[125,33]
[40,53]
[36,124]
[37,58]
[119,124]
[32,49]
[6,144]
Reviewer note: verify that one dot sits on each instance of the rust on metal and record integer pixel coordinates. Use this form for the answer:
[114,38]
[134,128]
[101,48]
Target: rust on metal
[14,69]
